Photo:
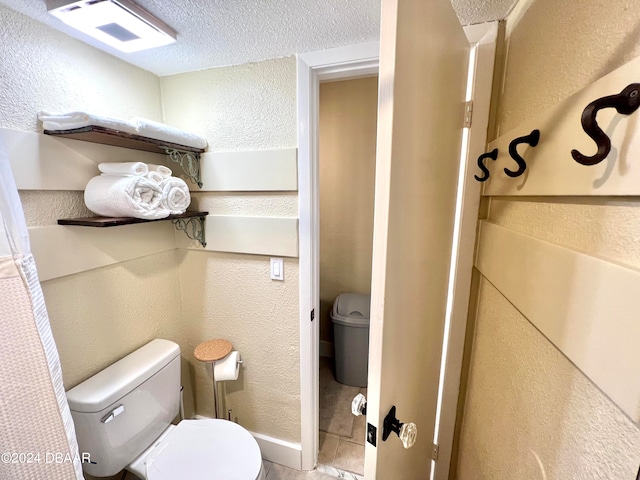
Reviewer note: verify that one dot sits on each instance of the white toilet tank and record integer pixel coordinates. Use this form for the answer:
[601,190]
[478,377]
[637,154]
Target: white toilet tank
[121,410]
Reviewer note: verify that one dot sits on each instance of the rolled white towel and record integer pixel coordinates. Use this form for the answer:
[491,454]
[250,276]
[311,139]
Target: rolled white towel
[161,169]
[175,195]
[124,168]
[160,131]
[158,173]
[72,120]
[124,196]
[155,177]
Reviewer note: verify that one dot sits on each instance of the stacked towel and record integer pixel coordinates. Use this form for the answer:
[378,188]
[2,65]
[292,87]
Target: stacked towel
[69,121]
[175,192]
[136,189]
[161,169]
[160,131]
[175,195]
[135,126]
[125,168]
[158,173]
[124,196]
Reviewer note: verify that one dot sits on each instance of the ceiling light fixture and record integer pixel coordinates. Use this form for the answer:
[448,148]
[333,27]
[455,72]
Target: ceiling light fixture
[119,23]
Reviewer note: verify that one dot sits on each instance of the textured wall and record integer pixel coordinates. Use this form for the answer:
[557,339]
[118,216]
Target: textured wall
[231,296]
[529,412]
[348,114]
[101,315]
[250,106]
[45,207]
[104,314]
[607,229]
[272,204]
[471,13]
[45,70]
[552,55]
[246,107]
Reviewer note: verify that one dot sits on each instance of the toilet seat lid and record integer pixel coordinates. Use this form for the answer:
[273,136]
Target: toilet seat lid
[205,449]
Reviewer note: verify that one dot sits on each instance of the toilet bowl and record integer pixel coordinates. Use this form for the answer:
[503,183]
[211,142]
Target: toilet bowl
[201,449]
[123,415]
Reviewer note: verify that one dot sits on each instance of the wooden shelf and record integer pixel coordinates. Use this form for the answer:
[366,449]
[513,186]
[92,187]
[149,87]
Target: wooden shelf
[116,221]
[108,136]
[191,223]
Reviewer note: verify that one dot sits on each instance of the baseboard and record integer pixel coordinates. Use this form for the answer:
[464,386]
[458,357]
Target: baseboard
[275,450]
[326,349]
[279,451]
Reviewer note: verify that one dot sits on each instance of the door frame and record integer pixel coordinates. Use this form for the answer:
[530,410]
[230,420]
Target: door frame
[348,63]
[312,68]
[483,39]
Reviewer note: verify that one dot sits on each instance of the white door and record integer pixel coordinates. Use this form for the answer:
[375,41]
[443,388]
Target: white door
[423,74]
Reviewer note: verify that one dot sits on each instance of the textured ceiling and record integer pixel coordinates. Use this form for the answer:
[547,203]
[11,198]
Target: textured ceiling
[214,33]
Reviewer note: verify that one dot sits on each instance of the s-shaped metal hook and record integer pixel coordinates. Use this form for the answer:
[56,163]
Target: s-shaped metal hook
[532,139]
[493,155]
[625,102]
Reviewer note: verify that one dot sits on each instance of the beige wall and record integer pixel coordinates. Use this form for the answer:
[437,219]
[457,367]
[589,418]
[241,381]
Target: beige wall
[528,409]
[46,70]
[246,107]
[99,316]
[348,113]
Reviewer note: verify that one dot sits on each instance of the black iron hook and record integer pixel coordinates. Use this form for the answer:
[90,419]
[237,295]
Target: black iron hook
[532,139]
[625,102]
[493,155]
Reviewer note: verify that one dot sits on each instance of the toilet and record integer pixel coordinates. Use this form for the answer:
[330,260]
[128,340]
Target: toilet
[123,416]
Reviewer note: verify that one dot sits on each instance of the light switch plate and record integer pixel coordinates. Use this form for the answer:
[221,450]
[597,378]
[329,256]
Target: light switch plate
[372,433]
[277,269]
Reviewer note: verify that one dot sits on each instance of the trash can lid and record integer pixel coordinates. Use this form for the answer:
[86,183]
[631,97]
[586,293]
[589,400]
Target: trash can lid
[352,309]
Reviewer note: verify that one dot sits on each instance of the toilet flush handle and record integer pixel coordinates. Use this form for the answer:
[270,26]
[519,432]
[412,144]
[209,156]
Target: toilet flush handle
[112,414]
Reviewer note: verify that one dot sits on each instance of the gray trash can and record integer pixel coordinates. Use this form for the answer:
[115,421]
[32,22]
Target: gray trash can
[350,316]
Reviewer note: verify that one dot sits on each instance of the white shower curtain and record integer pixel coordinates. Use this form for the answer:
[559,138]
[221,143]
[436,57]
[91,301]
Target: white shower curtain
[37,437]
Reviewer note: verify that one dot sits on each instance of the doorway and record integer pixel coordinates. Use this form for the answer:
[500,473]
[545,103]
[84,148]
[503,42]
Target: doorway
[352,62]
[347,156]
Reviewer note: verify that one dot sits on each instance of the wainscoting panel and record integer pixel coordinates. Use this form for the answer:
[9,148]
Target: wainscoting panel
[65,250]
[276,236]
[43,162]
[255,170]
[587,307]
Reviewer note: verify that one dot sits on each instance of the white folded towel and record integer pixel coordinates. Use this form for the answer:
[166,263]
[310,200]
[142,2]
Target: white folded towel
[160,131]
[158,173]
[135,126]
[124,168]
[175,195]
[72,120]
[155,177]
[161,169]
[124,196]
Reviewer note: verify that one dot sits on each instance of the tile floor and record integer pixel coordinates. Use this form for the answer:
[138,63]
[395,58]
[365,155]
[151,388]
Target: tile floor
[342,435]
[273,471]
[278,472]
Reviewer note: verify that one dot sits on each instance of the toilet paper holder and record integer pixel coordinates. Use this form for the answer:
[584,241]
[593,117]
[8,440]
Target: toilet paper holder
[227,368]
[218,351]
[238,364]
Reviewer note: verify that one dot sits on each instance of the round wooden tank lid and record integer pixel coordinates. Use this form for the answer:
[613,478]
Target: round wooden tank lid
[213,350]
